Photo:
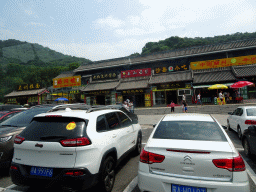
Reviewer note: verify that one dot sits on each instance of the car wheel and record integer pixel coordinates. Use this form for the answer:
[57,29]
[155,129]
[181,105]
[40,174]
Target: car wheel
[239,132]
[228,126]
[247,150]
[108,175]
[138,147]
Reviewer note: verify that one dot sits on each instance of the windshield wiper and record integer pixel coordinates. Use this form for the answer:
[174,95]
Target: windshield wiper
[53,137]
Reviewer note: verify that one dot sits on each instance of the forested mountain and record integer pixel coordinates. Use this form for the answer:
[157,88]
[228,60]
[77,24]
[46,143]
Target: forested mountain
[175,42]
[27,63]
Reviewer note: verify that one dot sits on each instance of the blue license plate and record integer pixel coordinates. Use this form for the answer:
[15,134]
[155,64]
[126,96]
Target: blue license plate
[182,188]
[41,171]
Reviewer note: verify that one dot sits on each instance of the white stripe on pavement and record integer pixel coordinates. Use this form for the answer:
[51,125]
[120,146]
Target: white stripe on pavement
[132,185]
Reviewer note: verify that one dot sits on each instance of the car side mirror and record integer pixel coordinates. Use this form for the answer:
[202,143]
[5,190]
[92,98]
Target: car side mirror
[135,121]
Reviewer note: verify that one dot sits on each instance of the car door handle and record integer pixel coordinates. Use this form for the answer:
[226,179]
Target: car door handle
[113,136]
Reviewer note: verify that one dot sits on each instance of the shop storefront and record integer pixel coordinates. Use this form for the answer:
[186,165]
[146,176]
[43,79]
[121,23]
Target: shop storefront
[247,73]
[100,93]
[170,87]
[134,86]
[66,86]
[225,71]
[31,94]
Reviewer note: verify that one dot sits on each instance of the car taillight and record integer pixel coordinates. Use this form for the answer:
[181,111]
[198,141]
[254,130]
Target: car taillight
[250,122]
[13,167]
[18,139]
[83,141]
[74,173]
[150,158]
[234,165]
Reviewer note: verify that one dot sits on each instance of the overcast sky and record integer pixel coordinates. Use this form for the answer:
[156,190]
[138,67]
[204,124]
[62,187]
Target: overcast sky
[106,29]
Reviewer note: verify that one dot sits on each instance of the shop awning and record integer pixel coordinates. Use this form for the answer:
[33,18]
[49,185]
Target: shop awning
[205,86]
[138,84]
[100,86]
[214,77]
[171,77]
[245,71]
[25,93]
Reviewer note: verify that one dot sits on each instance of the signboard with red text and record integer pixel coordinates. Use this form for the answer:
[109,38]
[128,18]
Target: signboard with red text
[136,73]
[67,82]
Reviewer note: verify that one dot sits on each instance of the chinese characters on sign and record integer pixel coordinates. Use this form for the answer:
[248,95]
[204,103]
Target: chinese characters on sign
[136,73]
[133,91]
[171,68]
[25,87]
[67,82]
[104,76]
[98,93]
[170,86]
[244,60]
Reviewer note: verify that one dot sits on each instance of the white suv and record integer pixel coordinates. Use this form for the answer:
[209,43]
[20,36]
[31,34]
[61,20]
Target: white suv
[74,148]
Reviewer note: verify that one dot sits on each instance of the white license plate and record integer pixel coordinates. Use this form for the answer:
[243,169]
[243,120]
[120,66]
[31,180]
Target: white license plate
[182,188]
[41,171]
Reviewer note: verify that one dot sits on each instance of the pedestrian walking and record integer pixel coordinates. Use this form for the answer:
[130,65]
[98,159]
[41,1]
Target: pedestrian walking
[126,106]
[172,107]
[199,99]
[185,107]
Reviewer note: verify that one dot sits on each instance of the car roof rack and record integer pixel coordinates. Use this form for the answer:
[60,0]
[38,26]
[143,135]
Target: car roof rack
[82,106]
[78,106]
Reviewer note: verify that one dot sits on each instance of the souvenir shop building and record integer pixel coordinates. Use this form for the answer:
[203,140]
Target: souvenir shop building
[156,79]
[32,94]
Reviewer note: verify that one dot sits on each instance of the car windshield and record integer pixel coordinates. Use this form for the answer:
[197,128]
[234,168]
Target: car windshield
[251,112]
[189,130]
[22,119]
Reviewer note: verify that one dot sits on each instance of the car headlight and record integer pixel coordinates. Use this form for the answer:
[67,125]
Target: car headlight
[5,139]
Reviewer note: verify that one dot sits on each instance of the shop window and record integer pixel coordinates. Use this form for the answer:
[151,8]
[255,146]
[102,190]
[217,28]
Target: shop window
[160,97]
[184,91]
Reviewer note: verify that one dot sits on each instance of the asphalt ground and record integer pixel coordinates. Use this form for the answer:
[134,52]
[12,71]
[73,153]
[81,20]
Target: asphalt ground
[128,182]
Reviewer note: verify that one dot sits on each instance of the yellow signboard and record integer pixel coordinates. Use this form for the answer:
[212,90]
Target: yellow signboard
[244,60]
[67,82]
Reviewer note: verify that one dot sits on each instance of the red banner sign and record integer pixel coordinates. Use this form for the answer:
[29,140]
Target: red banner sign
[136,73]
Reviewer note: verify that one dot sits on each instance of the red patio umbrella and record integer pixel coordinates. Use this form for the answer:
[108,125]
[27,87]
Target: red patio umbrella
[240,84]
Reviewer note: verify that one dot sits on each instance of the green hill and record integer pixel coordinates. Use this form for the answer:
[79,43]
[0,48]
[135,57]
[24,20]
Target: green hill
[14,51]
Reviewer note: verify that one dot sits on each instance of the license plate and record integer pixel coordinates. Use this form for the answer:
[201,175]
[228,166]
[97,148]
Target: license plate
[41,171]
[182,188]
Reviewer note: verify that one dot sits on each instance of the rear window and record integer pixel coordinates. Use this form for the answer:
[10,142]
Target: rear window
[251,112]
[189,130]
[55,129]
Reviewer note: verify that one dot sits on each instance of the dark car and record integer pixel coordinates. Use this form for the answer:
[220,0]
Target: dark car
[249,141]
[7,115]
[12,127]
[8,107]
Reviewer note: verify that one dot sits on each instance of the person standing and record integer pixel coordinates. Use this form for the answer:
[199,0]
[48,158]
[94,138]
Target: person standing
[172,107]
[221,97]
[131,107]
[199,99]
[183,97]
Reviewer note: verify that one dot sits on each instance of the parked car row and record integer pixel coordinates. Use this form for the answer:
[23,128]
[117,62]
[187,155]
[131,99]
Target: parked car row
[78,146]
[243,121]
